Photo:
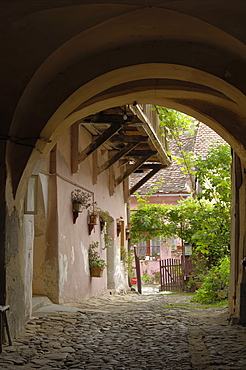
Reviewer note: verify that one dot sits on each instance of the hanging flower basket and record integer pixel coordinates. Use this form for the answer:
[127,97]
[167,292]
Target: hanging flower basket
[92,218]
[128,229]
[96,263]
[80,197]
[80,200]
[78,207]
[119,222]
[96,271]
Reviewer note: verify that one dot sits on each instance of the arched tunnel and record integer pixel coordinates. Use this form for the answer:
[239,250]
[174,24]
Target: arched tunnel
[64,60]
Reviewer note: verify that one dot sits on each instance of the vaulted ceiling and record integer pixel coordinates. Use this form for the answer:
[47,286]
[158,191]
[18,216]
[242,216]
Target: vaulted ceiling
[65,60]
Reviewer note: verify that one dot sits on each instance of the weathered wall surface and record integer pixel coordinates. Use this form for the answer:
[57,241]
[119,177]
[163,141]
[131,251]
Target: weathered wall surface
[98,59]
[61,268]
[15,272]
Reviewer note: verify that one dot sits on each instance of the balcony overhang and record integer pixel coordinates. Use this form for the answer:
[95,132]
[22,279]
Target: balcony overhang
[130,137]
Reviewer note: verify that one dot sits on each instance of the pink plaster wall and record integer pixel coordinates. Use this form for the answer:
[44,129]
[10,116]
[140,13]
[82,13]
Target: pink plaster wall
[166,250]
[160,199]
[75,283]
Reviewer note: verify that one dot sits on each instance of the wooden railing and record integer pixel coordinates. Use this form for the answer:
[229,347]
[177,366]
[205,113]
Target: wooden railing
[151,114]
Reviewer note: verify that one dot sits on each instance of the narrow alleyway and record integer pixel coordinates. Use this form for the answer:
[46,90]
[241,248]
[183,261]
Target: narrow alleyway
[129,332]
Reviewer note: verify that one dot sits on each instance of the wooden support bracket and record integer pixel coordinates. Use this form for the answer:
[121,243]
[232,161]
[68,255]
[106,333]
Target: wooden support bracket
[99,141]
[116,157]
[133,167]
[146,178]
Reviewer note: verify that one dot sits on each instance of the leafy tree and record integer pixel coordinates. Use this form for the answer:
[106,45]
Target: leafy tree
[203,222]
[217,279]
[177,124]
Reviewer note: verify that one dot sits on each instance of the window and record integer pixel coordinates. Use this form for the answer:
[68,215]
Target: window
[150,247]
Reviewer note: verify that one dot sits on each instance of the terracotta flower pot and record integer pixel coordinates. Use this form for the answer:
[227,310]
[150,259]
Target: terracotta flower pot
[92,219]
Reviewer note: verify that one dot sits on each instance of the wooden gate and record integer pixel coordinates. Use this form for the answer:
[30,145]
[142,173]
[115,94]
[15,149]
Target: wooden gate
[172,277]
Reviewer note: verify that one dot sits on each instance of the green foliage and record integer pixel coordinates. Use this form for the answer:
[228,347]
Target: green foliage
[202,222]
[213,174]
[176,124]
[156,276]
[94,257]
[127,258]
[145,277]
[149,221]
[105,218]
[216,279]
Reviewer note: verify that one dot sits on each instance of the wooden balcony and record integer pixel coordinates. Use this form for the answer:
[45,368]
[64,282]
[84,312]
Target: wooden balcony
[131,134]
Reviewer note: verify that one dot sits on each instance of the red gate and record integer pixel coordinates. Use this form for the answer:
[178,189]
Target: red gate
[172,277]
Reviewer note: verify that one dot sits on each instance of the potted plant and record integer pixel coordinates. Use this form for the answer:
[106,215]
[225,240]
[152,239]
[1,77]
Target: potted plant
[119,222]
[92,217]
[96,263]
[145,277]
[105,220]
[128,229]
[156,277]
[105,223]
[80,200]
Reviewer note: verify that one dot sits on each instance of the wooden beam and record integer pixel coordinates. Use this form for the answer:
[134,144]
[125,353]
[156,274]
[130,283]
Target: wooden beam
[75,147]
[111,176]
[106,135]
[116,157]
[122,162]
[104,118]
[129,138]
[145,178]
[126,191]
[139,153]
[133,167]
[148,166]
[95,167]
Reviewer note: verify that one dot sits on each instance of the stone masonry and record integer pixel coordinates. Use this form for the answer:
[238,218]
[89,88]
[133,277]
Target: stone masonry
[130,332]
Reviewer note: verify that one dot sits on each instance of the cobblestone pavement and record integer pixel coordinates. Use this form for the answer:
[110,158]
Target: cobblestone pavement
[130,332]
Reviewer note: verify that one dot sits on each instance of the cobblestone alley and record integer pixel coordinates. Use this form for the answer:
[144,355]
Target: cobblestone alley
[129,332]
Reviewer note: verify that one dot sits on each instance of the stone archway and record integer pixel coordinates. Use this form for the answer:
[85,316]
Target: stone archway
[100,95]
[64,61]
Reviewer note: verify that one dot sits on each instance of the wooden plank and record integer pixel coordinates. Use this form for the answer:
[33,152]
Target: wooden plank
[133,167]
[111,176]
[145,179]
[116,157]
[126,191]
[122,162]
[148,166]
[130,138]
[139,153]
[138,271]
[99,141]
[75,147]
[95,167]
[53,160]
